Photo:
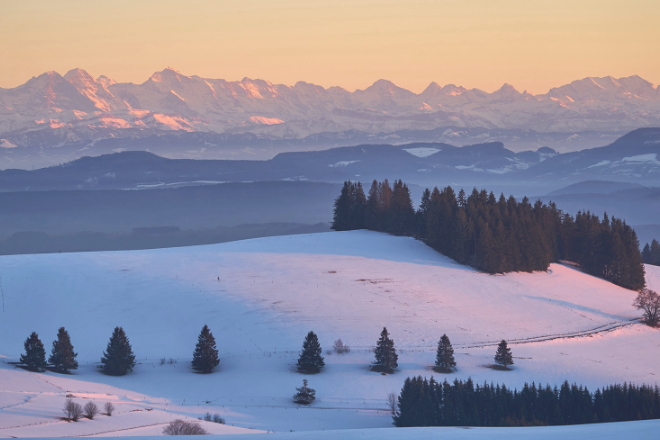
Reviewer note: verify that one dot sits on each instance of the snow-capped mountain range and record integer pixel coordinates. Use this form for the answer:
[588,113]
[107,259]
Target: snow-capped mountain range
[51,108]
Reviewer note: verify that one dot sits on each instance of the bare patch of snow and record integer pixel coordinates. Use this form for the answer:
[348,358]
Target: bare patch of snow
[343,163]
[602,163]
[422,151]
[642,158]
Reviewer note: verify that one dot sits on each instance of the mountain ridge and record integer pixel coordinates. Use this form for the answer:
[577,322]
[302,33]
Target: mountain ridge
[78,106]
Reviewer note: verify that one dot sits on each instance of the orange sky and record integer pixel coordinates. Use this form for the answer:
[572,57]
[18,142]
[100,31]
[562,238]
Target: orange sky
[532,44]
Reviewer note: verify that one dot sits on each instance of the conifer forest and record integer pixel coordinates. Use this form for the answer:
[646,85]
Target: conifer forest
[495,234]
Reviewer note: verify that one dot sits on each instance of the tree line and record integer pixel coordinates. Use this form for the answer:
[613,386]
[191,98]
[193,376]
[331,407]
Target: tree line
[425,402]
[495,235]
[118,358]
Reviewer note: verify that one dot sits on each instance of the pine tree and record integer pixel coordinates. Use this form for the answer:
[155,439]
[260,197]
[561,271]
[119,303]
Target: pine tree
[118,359]
[503,355]
[386,357]
[205,356]
[35,355]
[310,360]
[62,357]
[341,220]
[444,359]
[305,395]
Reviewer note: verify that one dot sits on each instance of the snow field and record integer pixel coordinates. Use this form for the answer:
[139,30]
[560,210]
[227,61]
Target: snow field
[260,297]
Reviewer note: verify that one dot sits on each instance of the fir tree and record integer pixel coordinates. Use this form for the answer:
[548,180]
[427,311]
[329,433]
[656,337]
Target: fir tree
[386,357]
[310,360]
[118,359]
[503,355]
[205,356]
[444,359]
[342,211]
[35,355]
[62,357]
[305,395]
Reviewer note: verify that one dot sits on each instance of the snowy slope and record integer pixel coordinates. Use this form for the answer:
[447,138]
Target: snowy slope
[260,297]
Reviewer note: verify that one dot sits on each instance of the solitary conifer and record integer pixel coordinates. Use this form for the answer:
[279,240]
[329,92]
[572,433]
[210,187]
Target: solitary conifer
[62,357]
[503,356]
[310,360]
[305,395]
[444,359]
[35,355]
[205,357]
[118,359]
[386,357]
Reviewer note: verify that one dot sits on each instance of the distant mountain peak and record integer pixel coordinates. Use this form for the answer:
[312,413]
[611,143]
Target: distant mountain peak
[106,81]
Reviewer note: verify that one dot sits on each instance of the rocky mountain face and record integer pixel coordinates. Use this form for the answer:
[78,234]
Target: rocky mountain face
[52,110]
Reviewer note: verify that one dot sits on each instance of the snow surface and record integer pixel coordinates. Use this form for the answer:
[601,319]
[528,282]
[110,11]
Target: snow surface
[343,163]
[650,158]
[260,297]
[421,151]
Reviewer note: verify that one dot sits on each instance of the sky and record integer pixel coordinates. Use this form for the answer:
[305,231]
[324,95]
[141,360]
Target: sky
[532,44]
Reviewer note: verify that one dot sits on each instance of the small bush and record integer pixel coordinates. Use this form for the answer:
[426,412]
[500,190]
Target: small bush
[162,361]
[392,401]
[340,347]
[181,427]
[215,418]
[91,410]
[109,409]
[72,410]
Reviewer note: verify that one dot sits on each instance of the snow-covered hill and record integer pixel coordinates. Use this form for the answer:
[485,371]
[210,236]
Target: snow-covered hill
[260,297]
[52,108]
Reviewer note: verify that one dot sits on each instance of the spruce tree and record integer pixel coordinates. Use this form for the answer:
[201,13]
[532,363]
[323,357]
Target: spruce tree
[310,360]
[444,359]
[655,252]
[341,220]
[386,357]
[305,395]
[35,355]
[646,254]
[62,357]
[205,356]
[503,355]
[118,359]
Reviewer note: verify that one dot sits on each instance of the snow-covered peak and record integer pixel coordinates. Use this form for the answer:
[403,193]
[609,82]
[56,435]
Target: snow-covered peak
[383,86]
[106,81]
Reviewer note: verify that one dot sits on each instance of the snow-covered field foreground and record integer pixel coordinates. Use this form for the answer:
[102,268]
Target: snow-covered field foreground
[260,298]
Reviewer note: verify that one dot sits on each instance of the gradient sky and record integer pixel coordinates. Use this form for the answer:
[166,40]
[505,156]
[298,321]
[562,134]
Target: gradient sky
[531,44]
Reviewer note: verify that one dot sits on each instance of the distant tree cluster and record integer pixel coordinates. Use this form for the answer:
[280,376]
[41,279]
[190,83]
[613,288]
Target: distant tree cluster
[429,403]
[386,209]
[608,249]
[496,235]
[651,254]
